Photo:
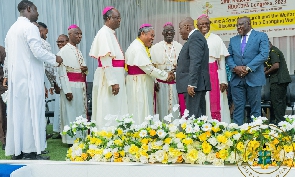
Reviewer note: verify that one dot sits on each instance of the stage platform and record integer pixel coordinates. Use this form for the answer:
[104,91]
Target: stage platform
[95,169]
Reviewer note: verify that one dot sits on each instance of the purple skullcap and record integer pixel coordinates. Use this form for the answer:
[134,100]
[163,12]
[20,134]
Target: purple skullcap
[73,26]
[106,9]
[202,16]
[168,23]
[145,25]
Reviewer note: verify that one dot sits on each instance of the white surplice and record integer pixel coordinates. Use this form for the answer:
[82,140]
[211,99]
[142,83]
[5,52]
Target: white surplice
[164,57]
[106,48]
[218,52]
[140,88]
[69,110]
[26,106]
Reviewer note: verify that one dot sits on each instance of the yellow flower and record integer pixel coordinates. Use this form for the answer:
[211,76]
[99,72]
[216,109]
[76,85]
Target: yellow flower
[81,145]
[98,141]
[152,132]
[206,147]
[133,149]
[145,141]
[203,137]
[145,147]
[84,156]
[180,135]
[192,155]
[118,160]
[253,144]
[187,141]
[221,139]
[223,154]
[109,135]
[228,134]
[179,159]
[122,153]
[116,155]
[154,146]
[174,152]
[183,126]
[108,155]
[120,131]
[144,153]
[102,133]
[165,160]
[98,151]
[288,148]
[167,140]
[215,129]
[118,142]
[92,140]
[79,159]
[240,146]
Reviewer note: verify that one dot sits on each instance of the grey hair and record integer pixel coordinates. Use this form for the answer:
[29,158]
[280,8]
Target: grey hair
[145,30]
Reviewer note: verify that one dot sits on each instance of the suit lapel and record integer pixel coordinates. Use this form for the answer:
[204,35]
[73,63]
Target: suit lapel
[250,39]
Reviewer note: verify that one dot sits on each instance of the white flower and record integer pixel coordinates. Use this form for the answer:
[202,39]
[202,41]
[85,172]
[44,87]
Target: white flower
[143,133]
[160,155]
[285,126]
[161,133]
[143,159]
[172,128]
[203,118]
[156,118]
[152,158]
[290,155]
[206,127]
[237,136]
[78,152]
[168,117]
[233,126]
[66,128]
[179,145]
[158,143]
[176,122]
[189,129]
[245,126]
[273,133]
[224,124]
[201,158]
[186,113]
[175,107]
[196,128]
[218,162]
[263,126]
[166,147]
[105,151]
[92,146]
[182,120]
[229,142]
[210,157]
[212,141]
[125,159]
[158,124]
[148,118]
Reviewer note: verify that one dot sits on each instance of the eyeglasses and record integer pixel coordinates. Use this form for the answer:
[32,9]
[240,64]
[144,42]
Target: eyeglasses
[60,41]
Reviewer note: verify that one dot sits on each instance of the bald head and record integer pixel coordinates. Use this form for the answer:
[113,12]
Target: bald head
[75,36]
[185,27]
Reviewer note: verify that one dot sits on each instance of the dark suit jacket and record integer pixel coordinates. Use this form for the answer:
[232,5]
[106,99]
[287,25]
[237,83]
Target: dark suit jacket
[193,64]
[255,54]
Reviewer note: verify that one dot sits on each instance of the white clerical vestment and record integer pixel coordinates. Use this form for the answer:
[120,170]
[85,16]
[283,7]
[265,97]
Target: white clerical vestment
[72,81]
[140,81]
[217,53]
[26,106]
[110,71]
[164,57]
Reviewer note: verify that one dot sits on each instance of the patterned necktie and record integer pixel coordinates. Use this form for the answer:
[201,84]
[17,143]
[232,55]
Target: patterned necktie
[243,44]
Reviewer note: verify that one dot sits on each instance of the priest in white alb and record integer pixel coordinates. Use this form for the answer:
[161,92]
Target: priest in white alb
[109,91]
[72,73]
[141,75]
[164,57]
[216,100]
[26,106]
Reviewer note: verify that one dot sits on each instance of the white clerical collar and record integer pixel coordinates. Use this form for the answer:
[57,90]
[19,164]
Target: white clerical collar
[109,29]
[191,32]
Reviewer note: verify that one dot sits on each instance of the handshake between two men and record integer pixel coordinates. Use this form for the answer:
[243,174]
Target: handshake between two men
[171,76]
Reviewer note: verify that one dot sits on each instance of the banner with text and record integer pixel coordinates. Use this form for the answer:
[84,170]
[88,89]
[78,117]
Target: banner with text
[274,17]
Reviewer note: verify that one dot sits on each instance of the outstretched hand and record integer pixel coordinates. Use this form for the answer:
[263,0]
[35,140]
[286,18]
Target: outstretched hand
[59,60]
[171,77]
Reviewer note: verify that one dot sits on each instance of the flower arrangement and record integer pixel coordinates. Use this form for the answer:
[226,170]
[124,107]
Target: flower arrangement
[186,140]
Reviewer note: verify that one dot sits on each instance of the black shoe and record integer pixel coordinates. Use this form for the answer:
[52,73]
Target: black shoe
[48,136]
[56,137]
[3,146]
[44,152]
[18,157]
[39,157]
[29,156]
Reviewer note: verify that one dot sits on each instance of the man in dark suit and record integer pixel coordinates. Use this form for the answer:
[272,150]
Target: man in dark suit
[192,72]
[248,52]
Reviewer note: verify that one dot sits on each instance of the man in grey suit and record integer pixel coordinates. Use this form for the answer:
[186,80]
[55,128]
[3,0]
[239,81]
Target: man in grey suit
[248,51]
[192,72]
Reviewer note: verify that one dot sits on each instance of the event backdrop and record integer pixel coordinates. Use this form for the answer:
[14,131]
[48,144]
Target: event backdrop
[275,17]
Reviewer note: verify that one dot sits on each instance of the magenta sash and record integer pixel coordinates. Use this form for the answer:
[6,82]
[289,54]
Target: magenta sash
[182,105]
[215,91]
[115,63]
[134,70]
[76,77]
